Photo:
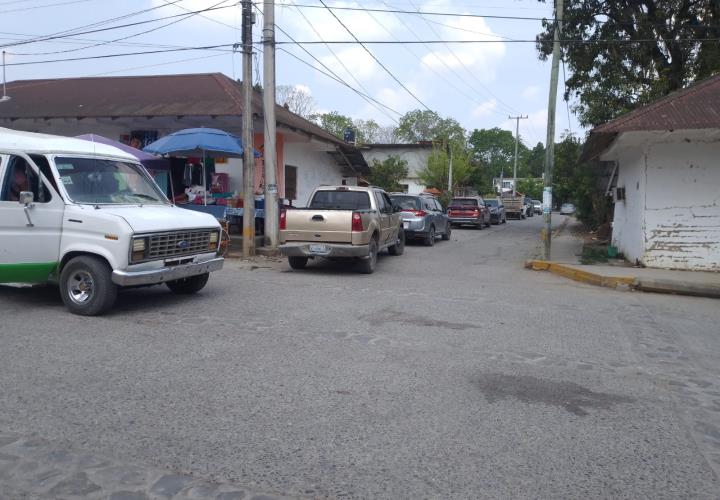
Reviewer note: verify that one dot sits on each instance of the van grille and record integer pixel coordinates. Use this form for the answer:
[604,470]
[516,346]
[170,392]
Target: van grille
[178,243]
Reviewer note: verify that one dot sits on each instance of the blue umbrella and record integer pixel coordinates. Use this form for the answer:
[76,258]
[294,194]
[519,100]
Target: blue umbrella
[197,142]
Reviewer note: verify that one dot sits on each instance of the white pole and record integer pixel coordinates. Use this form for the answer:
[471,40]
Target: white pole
[271,188]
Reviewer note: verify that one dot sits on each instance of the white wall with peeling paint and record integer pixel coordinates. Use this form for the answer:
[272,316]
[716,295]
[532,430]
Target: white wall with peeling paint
[671,215]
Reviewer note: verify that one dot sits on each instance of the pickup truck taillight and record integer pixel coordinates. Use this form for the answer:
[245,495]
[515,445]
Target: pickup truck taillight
[283,220]
[476,212]
[357,225]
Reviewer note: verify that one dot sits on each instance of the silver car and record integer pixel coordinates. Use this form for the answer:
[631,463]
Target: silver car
[423,217]
[567,209]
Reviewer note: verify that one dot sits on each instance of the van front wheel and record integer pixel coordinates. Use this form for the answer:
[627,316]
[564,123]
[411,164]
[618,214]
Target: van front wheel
[86,287]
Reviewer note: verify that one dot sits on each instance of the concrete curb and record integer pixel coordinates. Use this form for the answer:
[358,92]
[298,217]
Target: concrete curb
[568,271]
[677,287]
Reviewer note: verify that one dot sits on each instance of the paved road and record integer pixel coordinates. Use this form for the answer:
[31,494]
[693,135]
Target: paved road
[450,373]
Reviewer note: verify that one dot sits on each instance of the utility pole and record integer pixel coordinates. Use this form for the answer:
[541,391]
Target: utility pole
[517,139]
[247,133]
[271,189]
[550,138]
[450,188]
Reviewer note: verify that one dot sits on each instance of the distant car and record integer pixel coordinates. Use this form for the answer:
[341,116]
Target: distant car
[567,209]
[497,210]
[528,204]
[422,216]
[470,211]
[537,206]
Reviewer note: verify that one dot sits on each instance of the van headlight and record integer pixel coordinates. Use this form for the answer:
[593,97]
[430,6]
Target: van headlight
[139,246]
[214,239]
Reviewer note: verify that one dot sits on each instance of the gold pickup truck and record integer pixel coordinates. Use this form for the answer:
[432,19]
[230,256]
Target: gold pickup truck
[342,223]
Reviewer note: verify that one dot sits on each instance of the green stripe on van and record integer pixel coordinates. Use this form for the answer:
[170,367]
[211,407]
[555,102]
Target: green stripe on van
[26,273]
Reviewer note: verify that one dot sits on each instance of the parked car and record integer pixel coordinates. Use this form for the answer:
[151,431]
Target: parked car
[470,210]
[89,218]
[423,217]
[537,207]
[528,204]
[340,223]
[497,210]
[567,209]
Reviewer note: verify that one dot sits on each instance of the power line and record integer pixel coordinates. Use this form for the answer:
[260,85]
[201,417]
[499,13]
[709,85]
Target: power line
[425,13]
[99,44]
[375,58]
[43,6]
[447,80]
[66,34]
[350,73]
[467,70]
[334,76]
[619,41]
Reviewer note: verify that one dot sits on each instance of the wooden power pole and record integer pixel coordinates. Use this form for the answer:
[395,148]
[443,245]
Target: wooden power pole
[247,133]
[550,138]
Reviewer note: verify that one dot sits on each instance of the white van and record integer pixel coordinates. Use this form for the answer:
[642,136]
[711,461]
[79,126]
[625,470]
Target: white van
[89,217]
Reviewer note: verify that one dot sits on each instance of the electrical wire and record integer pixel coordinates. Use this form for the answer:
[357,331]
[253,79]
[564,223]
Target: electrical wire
[335,76]
[467,70]
[65,34]
[376,59]
[44,6]
[337,58]
[127,37]
[425,13]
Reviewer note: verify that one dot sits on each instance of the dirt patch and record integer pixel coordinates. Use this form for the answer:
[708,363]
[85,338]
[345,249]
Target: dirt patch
[390,316]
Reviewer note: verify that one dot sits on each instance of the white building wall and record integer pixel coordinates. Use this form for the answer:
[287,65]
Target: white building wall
[315,168]
[415,157]
[677,202]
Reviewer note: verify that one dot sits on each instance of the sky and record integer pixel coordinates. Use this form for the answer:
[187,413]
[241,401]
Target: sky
[480,84]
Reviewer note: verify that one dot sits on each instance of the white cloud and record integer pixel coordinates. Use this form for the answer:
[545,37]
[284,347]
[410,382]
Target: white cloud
[485,108]
[358,62]
[531,92]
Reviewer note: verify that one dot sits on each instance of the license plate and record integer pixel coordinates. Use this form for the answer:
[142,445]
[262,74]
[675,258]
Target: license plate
[406,225]
[318,248]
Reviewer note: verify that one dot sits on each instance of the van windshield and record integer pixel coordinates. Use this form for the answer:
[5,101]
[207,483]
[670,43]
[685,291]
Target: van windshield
[100,181]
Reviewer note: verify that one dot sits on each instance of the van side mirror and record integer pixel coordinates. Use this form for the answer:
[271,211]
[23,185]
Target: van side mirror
[26,198]
[397,208]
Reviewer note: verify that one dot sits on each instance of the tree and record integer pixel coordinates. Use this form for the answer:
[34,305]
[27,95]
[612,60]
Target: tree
[609,78]
[494,150]
[436,173]
[535,161]
[567,154]
[388,173]
[297,99]
[333,122]
[419,125]
[532,188]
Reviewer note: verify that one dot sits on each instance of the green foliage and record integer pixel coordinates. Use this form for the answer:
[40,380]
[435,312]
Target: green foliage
[418,125]
[532,188]
[388,173]
[609,79]
[435,174]
[333,122]
[495,149]
[535,161]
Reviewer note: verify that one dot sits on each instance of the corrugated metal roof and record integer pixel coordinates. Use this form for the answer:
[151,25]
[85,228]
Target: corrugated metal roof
[207,94]
[692,108]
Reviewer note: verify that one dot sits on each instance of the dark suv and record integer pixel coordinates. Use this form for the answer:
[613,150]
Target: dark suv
[470,210]
[497,210]
[423,217]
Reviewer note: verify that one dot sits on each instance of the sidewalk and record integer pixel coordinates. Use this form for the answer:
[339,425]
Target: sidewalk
[566,252]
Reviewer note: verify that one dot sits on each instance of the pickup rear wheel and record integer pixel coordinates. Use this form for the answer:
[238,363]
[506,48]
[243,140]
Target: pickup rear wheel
[399,247]
[86,287]
[189,285]
[367,266]
[298,262]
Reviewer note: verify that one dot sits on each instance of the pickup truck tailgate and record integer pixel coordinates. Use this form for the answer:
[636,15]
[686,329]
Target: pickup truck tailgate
[332,226]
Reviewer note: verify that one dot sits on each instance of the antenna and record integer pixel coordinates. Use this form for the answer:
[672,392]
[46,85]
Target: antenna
[4,97]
